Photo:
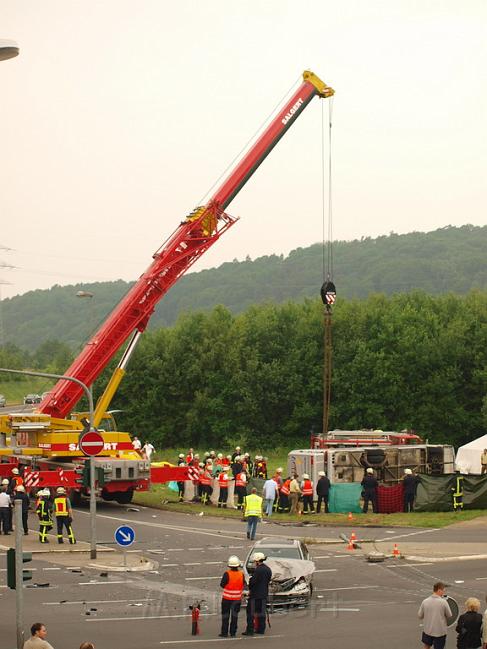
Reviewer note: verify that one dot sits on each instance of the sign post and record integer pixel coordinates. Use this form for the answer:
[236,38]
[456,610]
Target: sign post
[124,536]
[91,444]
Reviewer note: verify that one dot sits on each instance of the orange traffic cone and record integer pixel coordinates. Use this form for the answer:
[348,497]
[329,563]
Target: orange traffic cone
[396,552]
[350,517]
[351,541]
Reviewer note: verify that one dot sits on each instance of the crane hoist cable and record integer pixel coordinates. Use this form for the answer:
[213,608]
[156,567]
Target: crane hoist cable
[328,289]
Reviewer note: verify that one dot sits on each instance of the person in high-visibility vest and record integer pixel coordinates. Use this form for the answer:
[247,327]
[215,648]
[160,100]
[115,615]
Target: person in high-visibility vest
[43,511]
[457,493]
[205,485]
[64,515]
[241,488]
[284,496]
[307,491]
[252,512]
[223,483]
[232,582]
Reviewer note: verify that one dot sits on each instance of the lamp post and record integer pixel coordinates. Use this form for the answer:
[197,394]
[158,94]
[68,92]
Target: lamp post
[8,49]
[90,296]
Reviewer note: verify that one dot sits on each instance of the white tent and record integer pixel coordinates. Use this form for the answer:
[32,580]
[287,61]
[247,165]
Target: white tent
[468,456]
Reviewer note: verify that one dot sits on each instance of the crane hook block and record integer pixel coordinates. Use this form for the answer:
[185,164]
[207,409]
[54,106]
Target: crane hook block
[328,294]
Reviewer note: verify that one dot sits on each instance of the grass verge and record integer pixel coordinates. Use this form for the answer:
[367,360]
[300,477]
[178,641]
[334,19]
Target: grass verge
[160,497]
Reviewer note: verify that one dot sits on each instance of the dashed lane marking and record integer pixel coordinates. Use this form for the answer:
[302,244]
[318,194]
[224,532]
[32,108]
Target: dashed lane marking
[200,578]
[323,556]
[331,590]
[99,601]
[327,570]
[339,610]
[192,564]
[402,536]
[404,565]
[103,583]
[232,640]
[476,578]
[140,617]
[168,565]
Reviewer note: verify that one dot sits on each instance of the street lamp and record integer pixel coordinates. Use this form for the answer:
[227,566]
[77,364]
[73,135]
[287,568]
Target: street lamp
[8,49]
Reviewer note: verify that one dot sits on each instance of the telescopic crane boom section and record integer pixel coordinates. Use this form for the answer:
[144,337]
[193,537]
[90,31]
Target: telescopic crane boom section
[200,230]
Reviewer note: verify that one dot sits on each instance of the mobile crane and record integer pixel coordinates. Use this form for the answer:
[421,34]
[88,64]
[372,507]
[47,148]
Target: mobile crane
[45,443]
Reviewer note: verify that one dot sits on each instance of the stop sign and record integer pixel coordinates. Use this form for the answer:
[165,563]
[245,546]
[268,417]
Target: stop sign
[91,443]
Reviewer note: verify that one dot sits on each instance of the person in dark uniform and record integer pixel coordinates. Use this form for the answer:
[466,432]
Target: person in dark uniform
[370,485]
[322,491]
[410,483]
[21,495]
[232,582]
[181,462]
[44,512]
[258,594]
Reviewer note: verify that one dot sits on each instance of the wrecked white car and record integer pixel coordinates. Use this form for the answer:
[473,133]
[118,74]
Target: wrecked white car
[292,571]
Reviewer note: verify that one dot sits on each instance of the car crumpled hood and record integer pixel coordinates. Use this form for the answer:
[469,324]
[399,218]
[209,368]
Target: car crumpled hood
[284,569]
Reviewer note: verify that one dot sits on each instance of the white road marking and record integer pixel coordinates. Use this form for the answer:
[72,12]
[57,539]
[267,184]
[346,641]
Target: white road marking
[142,618]
[402,536]
[174,549]
[51,569]
[327,570]
[103,583]
[195,548]
[73,567]
[336,610]
[480,578]
[232,640]
[404,565]
[341,556]
[323,556]
[192,564]
[168,565]
[99,601]
[199,578]
[324,590]
[213,563]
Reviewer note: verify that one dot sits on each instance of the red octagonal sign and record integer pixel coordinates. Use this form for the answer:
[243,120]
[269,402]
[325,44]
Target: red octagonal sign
[91,443]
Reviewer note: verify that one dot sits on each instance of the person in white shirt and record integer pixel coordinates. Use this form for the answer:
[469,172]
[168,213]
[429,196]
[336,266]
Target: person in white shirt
[5,505]
[38,637]
[269,492]
[136,444]
[147,450]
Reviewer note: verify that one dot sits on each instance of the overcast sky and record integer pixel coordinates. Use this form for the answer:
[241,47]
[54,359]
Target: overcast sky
[118,116]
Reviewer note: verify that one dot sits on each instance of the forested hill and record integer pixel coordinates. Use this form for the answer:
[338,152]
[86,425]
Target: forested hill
[450,259]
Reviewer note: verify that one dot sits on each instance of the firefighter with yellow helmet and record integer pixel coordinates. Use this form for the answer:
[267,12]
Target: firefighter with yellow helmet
[64,515]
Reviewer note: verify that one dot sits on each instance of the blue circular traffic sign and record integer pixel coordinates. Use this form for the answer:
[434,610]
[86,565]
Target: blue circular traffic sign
[124,535]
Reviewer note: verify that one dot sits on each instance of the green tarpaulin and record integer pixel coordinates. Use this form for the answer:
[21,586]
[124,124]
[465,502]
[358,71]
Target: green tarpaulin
[434,493]
[345,497]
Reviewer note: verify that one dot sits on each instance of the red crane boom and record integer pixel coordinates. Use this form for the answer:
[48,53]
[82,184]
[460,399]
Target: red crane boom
[200,230]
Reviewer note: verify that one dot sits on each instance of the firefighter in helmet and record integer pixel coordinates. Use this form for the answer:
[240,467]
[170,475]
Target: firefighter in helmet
[44,512]
[64,515]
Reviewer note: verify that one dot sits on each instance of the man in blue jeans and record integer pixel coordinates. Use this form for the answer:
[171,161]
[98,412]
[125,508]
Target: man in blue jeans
[252,512]
[270,494]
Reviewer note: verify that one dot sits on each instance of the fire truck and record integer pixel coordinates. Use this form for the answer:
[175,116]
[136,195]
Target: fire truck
[45,444]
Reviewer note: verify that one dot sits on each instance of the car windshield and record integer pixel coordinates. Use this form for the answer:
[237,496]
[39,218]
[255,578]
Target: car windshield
[286,552]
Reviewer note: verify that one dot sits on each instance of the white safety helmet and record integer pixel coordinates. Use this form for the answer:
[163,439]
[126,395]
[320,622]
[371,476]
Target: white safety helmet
[220,456]
[237,458]
[5,481]
[226,468]
[407,472]
[279,470]
[233,561]
[201,465]
[60,490]
[305,476]
[229,457]
[15,471]
[258,556]
[45,492]
[20,488]
[196,456]
[370,470]
[321,473]
[181,455]
[237,448]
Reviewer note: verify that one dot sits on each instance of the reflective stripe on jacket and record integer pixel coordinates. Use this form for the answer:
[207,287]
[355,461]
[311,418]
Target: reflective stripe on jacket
[240,480]
[253,505]
[307,488]
[285,487]
[61,506]
[234,588]
[223,480]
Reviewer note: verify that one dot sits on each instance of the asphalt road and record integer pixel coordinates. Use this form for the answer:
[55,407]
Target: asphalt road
[355,603]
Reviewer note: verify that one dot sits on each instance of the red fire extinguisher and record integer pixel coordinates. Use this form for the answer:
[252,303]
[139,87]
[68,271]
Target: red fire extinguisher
[195,617]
